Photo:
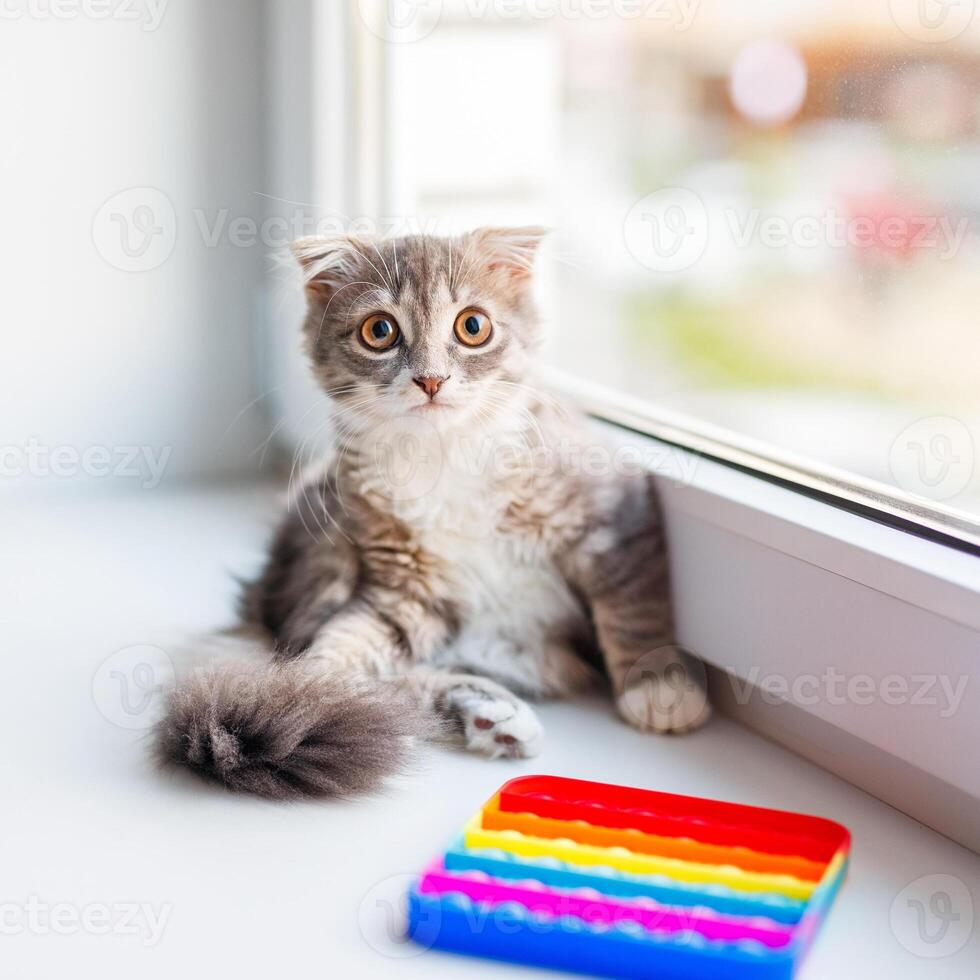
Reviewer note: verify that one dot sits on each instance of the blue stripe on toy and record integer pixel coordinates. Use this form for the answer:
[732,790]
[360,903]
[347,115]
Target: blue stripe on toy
[558,874]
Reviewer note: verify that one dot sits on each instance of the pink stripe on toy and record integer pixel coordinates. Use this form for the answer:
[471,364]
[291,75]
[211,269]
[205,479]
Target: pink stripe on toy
[599,909]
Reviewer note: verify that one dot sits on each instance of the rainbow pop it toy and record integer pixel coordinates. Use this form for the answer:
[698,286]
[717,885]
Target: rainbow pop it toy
[619,882]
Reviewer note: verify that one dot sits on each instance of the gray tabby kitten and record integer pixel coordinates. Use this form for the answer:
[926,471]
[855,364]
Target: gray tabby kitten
[457,554]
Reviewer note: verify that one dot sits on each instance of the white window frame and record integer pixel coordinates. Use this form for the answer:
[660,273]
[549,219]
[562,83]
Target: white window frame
[771,584]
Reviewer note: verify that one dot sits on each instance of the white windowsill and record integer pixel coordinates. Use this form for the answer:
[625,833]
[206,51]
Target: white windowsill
[259,889]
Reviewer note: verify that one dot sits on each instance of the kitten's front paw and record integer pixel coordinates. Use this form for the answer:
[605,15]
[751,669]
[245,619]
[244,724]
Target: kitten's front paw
[497,726]
[659,704]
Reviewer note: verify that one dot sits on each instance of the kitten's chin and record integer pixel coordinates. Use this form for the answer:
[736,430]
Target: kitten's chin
[442,404]
[433,406]
[440,415]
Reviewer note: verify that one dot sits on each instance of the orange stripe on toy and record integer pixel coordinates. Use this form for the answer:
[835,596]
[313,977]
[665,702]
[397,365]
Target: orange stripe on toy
[681,848]
[477,836]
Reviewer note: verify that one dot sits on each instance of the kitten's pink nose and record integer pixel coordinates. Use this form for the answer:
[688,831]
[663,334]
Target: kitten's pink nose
[430,385]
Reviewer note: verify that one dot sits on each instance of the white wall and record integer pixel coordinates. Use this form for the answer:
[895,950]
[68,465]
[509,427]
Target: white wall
[94,355]
[304,87]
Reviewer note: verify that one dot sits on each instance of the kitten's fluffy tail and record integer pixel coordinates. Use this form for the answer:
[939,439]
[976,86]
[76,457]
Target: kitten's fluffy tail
[283,731]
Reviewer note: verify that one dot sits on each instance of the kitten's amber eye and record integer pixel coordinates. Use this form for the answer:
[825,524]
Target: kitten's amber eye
[473,328]
[379,332]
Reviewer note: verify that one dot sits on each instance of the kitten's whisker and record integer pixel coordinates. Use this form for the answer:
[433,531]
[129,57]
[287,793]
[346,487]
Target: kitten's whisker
[394,252]
[377,271]
[333,412]
[350,387]
[336,293]
[247,406]
[537,392]
[286,200]
[305,486]
[467,259]
[451,283]
[523,412]
[391,289]
[566,259]
[266,442]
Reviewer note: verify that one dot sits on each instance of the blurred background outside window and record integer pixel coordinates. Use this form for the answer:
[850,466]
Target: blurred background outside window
[765,212]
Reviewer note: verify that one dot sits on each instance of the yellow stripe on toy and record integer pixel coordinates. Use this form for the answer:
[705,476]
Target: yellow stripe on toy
[563,849]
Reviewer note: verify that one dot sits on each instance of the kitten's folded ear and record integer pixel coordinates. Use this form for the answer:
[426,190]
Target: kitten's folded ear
[510,250]
[327,263]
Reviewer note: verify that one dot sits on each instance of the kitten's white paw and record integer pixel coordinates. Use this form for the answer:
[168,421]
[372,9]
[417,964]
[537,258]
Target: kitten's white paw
[659,704]
[499,727]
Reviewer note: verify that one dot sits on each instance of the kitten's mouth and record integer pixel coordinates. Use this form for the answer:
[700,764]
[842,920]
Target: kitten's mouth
[432,406]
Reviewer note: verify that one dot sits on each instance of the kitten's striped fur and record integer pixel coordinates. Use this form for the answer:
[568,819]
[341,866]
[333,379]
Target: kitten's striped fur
[394,608]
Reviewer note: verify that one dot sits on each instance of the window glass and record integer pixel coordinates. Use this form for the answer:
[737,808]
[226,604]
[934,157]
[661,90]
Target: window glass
[765,213]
